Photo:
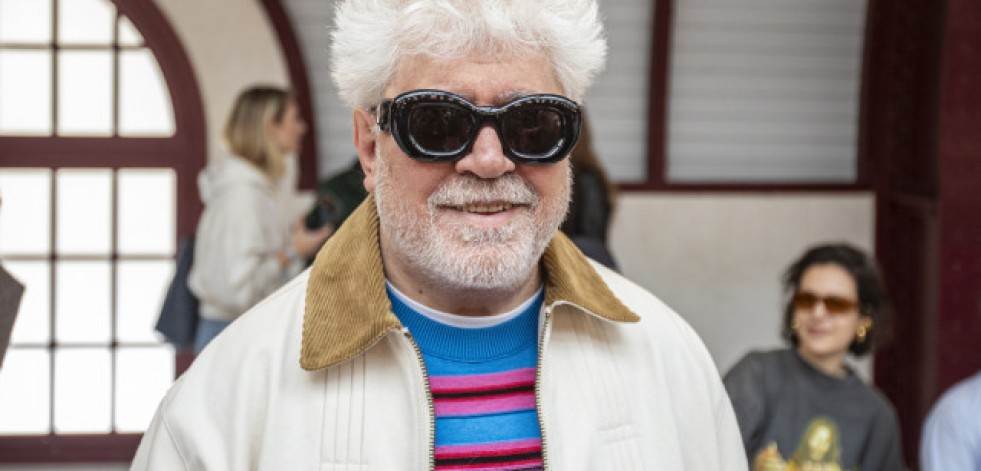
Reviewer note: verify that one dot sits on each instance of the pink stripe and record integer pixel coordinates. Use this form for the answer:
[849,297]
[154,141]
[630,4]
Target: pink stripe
[489,447]
[519,401]
[479,381]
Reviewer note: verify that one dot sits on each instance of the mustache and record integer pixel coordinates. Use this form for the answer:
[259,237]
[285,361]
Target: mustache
[470,189]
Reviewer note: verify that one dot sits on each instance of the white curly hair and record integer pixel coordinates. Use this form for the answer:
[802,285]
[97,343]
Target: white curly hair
[370,37]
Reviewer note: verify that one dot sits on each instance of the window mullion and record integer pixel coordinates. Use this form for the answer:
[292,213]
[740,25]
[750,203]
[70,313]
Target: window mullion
[115,75]
[113,296]
[52,253]
[54,67]
[52,283]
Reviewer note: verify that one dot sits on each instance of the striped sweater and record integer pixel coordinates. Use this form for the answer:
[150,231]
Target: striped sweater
[482,378]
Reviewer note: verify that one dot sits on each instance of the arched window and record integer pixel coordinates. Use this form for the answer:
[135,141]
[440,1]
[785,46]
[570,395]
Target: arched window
[101,137]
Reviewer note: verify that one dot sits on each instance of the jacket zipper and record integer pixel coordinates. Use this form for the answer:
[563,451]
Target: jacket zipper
[538,384]
[429,399]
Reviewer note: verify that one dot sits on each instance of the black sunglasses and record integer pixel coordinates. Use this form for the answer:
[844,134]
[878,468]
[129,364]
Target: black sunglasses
[437,126]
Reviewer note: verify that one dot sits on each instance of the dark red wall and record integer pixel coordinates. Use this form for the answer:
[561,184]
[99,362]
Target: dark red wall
[920,131]
[959,321]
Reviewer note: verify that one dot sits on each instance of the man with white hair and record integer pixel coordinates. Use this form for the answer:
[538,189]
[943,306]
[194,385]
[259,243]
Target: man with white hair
[448,325]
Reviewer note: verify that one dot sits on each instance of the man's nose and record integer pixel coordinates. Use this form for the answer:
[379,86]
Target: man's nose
[486,159]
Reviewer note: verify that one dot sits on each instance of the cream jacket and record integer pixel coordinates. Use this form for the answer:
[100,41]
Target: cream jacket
[321,376]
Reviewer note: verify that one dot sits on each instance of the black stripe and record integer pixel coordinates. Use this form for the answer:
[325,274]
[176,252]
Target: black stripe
[484,392]
[488,459]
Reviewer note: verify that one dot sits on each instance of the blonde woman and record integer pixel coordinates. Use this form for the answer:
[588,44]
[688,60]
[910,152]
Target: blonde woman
[247,244]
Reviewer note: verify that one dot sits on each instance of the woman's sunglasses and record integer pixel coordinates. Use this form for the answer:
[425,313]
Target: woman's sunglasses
[436,126]
[833,304]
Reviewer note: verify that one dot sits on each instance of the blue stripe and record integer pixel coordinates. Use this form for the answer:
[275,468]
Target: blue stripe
[487,429]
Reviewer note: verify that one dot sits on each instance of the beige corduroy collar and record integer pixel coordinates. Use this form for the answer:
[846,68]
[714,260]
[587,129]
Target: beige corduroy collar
[347,309]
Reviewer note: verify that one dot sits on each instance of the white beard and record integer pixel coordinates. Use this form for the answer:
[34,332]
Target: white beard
[457,255]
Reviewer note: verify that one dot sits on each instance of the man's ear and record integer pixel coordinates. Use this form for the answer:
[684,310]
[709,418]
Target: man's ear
[365,141]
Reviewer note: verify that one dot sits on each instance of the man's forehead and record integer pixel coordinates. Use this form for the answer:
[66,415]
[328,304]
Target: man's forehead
[479,80]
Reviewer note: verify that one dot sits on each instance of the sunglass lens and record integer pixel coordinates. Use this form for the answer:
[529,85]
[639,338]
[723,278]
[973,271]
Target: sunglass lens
[804,300]
[837,305]
[533,132]
[439,127]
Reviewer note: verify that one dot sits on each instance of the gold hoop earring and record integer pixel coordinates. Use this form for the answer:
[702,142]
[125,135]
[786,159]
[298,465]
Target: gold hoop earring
[863,330]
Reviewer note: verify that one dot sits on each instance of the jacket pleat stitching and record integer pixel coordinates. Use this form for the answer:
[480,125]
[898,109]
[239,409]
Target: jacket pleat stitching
[618,426]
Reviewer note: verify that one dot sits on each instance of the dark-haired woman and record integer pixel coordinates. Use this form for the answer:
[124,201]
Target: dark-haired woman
[836,305]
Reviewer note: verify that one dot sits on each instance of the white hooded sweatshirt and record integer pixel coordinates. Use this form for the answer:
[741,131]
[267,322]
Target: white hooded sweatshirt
[242,229]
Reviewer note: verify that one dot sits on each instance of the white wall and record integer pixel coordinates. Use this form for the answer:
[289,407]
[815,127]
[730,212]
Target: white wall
[717,259]
[312,20]
[231,45]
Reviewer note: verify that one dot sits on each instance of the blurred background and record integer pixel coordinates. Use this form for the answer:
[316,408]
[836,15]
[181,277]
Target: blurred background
[739,132]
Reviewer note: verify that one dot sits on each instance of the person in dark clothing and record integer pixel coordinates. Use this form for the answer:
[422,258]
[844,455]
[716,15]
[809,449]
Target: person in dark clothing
[337,197]
[593,201]
[805,402]
[11,292]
